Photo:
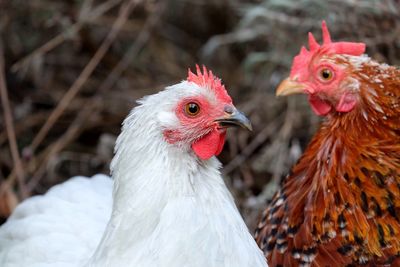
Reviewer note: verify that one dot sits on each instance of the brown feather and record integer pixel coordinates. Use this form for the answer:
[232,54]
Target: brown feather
[341,204]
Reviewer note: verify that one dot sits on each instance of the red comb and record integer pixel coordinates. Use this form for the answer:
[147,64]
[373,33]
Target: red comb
[348,48]
[354,49]
[327,47]
[207,79]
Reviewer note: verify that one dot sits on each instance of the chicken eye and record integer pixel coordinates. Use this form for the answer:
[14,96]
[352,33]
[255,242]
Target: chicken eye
[326,74]
[192,109]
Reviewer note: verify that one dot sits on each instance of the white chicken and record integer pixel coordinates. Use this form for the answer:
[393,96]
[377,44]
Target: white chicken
[167,205]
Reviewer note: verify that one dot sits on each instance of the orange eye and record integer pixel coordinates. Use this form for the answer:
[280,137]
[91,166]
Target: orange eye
[192,109]
[326,74]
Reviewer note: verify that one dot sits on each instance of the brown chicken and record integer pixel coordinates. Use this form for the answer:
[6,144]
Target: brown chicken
[340,205]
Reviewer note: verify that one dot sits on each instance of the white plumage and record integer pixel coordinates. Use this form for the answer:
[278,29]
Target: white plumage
[169,207]
[61,228]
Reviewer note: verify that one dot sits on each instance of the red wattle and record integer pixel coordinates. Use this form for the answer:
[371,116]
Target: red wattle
[319,106]
[209,145]
[221,143]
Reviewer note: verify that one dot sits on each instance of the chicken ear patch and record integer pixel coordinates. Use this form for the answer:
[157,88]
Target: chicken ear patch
[346,103]
[209,145]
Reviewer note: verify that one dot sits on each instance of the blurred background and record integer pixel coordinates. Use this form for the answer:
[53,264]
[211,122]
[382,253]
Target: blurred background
[73,70]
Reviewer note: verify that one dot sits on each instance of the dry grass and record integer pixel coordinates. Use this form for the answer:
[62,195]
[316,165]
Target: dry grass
[73,70]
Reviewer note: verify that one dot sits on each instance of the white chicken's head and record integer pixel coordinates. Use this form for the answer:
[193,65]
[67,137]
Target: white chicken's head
[196,113]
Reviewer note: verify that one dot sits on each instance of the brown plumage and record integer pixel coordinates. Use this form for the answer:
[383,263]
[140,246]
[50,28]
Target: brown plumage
[340,206]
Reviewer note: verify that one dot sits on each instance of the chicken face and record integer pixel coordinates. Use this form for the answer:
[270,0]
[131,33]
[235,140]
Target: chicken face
[324,75]
[201,115]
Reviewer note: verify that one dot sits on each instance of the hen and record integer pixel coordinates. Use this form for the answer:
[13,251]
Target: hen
[170,206]
[340,205]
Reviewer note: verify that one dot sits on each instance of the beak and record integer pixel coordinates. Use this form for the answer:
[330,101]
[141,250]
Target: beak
[289,87]
[234,118]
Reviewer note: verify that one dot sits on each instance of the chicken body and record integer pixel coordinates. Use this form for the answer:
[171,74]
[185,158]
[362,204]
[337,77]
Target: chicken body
[59,229]
[340,205]
[170,206]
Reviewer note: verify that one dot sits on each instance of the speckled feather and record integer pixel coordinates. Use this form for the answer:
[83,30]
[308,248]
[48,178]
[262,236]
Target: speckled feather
[340,206]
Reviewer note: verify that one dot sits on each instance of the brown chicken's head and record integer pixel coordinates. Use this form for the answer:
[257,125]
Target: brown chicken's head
[323,74]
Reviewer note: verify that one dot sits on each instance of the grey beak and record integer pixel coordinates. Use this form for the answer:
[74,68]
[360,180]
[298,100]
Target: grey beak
[234,118]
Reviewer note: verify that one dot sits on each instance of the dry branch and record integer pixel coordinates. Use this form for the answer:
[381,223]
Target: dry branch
[59,39]
[74,89]
[77,126]
[85,74]
[10,128]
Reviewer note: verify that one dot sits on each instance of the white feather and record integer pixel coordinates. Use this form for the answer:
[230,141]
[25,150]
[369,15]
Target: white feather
[60,228]
[169,209]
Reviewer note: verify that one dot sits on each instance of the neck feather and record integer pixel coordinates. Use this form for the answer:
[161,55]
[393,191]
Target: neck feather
[340,202]
[350,173]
